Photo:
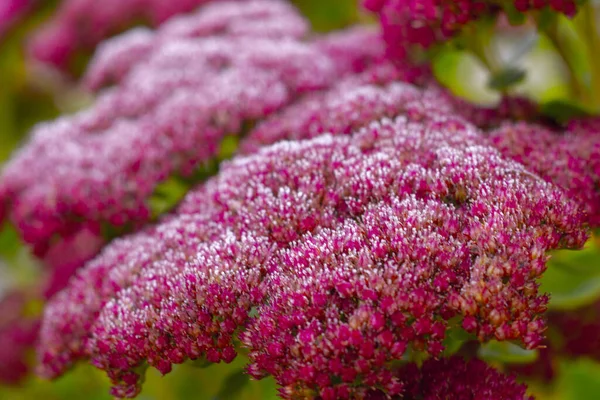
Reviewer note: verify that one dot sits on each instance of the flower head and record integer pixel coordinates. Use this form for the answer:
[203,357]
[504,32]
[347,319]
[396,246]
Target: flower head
[180,91]
[362,245]
[570,159]
[252,19]
[79,25]
[426,22]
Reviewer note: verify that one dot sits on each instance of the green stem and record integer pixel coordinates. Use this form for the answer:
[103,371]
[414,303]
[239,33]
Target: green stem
[480,50]
[586,26]
[477,39]
[578,88]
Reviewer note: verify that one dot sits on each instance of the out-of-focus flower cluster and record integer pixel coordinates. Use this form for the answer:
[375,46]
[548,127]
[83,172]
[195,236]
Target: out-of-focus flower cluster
[80,25]
[454,378]
[578,330]
[572,334]
[426,22]
[203,76]
[10,12]
[18,333]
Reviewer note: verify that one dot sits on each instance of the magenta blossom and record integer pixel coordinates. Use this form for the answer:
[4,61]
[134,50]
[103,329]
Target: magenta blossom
[181,90]
[373,94]
[426,22]
[347,249]
[10,12]
[509,108]
[251,19]
[351,104]
[570,159]
[455,378]
[79,25]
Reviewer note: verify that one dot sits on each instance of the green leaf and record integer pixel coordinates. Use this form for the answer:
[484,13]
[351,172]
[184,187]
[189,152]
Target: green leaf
[228,147]
[563,111]
[328,15]
[515,17]
[167,195]
[233,385]
[9,242]
[200,363]
[582,379]
[573,277]
[506,352]
[546,18]
[456,336]
[506,78]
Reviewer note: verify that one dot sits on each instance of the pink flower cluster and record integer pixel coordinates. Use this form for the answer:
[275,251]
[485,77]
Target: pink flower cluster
[331,256]
[351,104]
[426,22]
[180,91]
[79,25]
[116,57]
[359,99]
[569,158]
[455,378]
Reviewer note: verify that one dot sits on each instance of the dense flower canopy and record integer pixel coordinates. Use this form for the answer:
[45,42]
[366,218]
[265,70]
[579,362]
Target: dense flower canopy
[218,73]
[420,220]
[366,215]
[80,25]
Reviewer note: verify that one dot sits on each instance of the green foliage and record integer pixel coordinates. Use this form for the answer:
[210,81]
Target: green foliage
[456,337]
[506,353]
[505,78]
[579,379]
[563,110]
[575,380]
[217,382]
[329,15]
[573,277]
[167,195]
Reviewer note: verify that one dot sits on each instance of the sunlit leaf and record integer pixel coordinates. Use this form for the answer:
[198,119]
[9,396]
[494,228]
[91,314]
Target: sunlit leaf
[456,336]
[506,352]
[167,195]
[573,277]
[580,379]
